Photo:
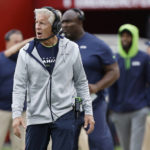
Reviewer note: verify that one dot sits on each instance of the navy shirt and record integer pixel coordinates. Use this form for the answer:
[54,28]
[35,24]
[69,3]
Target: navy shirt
[48,55]
[7,69]
[129,93]
[95,55]
[14,57]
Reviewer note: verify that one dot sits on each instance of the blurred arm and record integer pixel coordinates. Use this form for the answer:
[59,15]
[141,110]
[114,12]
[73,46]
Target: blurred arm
[111,75]
[14,49]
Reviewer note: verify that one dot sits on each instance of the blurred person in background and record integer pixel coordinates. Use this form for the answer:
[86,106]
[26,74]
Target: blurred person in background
[52,84]
[101,70]
[146,141]
[148,47]
[127,96]
[14,41]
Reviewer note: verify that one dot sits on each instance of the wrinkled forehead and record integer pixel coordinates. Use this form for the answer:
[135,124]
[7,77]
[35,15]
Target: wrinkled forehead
[69,15]
[42,16]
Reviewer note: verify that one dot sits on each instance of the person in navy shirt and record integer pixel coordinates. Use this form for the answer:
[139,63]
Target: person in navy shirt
[101,70]
[8,58]
[146,143]
[128,98]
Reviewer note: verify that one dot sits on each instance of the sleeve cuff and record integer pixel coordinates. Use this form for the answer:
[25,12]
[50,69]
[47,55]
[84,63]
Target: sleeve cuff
[16,114]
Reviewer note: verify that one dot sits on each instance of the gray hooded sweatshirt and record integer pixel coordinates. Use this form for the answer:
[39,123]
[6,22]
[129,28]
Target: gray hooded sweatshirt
[49,96]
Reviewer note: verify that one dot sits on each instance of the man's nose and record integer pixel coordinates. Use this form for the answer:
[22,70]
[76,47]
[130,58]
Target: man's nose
[37,26]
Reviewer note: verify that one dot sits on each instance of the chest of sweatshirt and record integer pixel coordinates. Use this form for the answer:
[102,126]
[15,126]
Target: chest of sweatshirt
[135,77]
[63,70]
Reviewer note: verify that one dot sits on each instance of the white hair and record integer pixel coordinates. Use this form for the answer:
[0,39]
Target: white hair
[46,12]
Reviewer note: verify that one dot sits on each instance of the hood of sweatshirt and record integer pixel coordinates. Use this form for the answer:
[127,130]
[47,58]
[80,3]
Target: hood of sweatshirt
[133,50]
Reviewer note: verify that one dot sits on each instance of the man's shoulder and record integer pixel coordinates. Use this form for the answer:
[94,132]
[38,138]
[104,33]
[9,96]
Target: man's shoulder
[142,53]
[93,37]
[29,46]
[95,41]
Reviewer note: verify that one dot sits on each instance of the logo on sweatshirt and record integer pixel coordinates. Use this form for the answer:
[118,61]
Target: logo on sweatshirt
[83,47]
[136,63]
[48,61]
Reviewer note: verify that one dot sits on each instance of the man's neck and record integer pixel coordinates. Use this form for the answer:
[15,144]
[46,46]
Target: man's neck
[78,35]
[50,42]
[126,50]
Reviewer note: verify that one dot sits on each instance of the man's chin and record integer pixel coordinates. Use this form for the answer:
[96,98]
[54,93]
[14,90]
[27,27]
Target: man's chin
[67,35]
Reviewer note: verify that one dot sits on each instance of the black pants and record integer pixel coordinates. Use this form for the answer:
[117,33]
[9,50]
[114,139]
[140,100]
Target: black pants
[61,131]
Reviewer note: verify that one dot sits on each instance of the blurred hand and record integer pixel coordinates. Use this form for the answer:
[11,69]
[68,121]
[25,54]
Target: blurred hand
[89,123]
[93,88]
[17,122]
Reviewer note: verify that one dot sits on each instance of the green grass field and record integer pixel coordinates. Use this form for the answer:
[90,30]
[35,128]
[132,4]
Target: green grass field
[118,148]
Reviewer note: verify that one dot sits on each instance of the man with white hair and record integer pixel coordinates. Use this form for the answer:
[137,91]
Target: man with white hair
[51,71]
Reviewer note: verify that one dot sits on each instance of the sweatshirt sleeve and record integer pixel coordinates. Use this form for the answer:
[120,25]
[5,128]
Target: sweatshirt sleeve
[81,83]
[19,85]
